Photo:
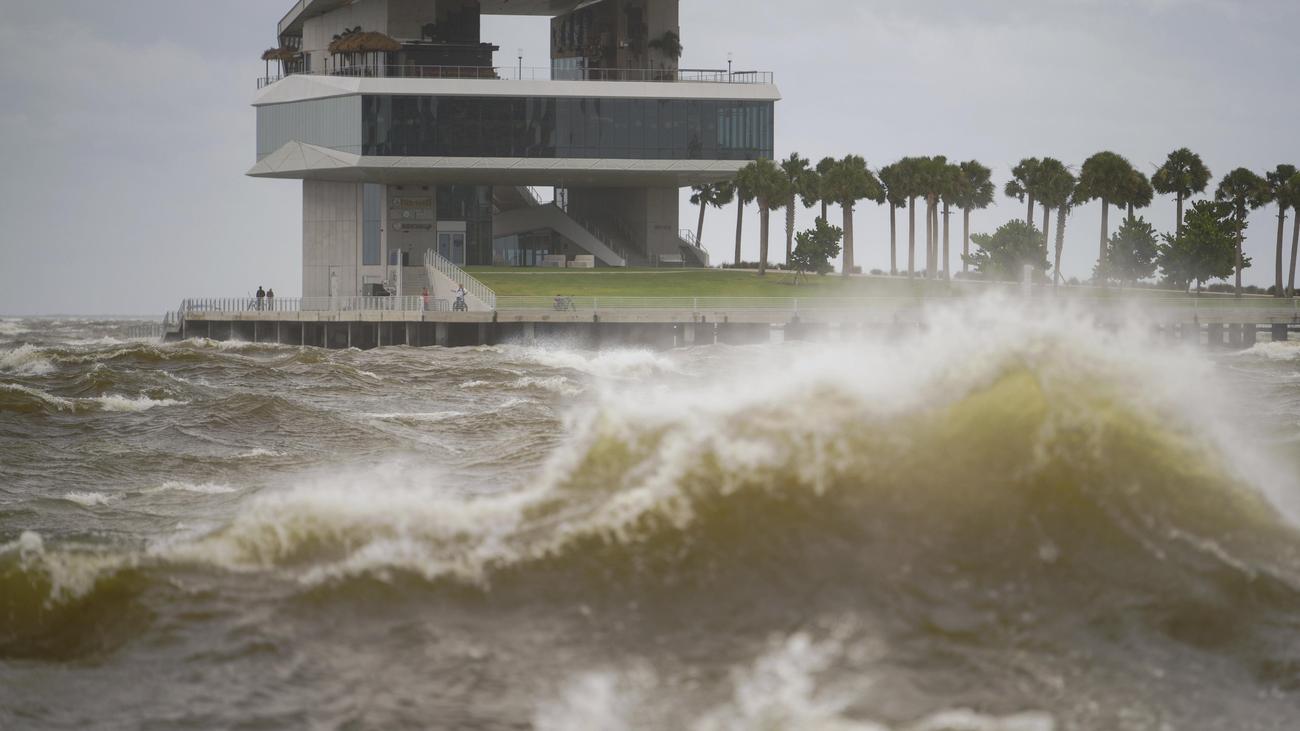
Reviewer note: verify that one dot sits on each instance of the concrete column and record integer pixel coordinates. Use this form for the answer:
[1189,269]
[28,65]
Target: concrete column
[1234,335]
[1248,335]
[1215,331]
[349,335]
[530,333]
[688,334]
[441,334]
[1279,332]
[482,333]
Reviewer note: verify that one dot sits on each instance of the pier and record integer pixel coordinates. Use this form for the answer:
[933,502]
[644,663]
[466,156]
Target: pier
[666,322]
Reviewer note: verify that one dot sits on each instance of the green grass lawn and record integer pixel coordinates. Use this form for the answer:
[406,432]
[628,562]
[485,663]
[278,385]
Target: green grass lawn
[643,282]
[635,282]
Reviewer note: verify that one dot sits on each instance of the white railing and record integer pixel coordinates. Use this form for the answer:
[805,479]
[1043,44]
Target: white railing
[517,73]
[1184,306]
[475,288]
[314,304]
[687,238]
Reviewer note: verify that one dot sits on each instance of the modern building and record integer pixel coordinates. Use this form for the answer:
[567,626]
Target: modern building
[408,139]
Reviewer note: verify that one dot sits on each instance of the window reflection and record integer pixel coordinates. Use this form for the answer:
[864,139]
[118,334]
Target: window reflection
[662,129]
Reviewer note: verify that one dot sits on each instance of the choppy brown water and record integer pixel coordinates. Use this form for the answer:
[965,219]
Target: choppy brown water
[1007,522]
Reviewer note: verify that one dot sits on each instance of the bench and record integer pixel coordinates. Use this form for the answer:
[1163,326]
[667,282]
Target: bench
[584,261]
[672,259]
[557,261]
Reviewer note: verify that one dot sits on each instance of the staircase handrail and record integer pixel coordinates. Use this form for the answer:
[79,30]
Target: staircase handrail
[475,288]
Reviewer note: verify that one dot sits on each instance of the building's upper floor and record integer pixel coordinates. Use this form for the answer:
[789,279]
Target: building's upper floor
[590,40]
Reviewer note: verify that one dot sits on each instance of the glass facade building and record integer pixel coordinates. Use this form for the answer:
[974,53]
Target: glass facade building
[528,127]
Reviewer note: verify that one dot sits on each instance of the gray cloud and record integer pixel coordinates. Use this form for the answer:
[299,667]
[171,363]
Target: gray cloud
[128,126]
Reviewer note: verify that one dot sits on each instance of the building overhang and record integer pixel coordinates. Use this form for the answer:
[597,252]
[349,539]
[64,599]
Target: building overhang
[303,9]
[302,87]
[299,161]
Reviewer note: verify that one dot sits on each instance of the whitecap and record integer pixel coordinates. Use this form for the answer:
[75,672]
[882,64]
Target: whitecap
[55,401]
[555,384]
[87,498]
[206,488]
[26,360]
[128,405]
[623,363]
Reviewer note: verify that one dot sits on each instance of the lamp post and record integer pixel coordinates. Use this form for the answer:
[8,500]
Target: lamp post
[521,64]
[730,56]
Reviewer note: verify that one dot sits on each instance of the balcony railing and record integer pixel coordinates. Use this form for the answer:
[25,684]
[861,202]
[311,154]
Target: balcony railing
[518,73]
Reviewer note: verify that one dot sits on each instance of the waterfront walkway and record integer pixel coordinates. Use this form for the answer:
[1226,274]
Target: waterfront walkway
[667,321]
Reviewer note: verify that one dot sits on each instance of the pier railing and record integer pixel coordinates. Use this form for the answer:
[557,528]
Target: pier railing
[315,304]
[1173,307]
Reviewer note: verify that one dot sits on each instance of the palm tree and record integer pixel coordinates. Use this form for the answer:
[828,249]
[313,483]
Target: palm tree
[1293,197]
[931,181]
[1021,185]
[1055,190]
[848,182]
[710,194]
[1278,192]
[1107,177]
[909,185]
[894,180]
[975,190]
[742,196]
[771,189]
[1182,176]
[952,194]
[1246,191]
[1139,193]
[823,169]
[796,171]
[1050,176]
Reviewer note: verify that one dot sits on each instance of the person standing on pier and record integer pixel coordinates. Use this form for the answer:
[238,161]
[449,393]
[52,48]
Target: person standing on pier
[270,299]
[261,296]
[424,300]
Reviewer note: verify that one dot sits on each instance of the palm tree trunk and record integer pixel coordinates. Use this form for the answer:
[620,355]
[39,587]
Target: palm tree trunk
[893,239]
[824,213]
[1295,243]
[789,229]
[1241,236]
[848,238]
[1178,225]
[965,240]
[911,237]
[1130,211]
[1047,227]
[1105,235]
[1281,246]
[740,225]
[934,239]
[1060,243]
[763,216]
[699,228]
[1029,217]
[929,237]
[947,273]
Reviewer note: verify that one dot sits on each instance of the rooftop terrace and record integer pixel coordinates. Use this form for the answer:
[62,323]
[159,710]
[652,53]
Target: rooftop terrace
[524,73]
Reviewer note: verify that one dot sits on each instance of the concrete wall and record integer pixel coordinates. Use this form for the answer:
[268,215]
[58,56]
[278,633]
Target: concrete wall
[331,238]
[649,216]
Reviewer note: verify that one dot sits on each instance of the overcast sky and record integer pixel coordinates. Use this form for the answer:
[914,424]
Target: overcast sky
[126,128]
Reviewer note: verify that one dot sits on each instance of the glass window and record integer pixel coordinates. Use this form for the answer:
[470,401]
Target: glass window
[585,127]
